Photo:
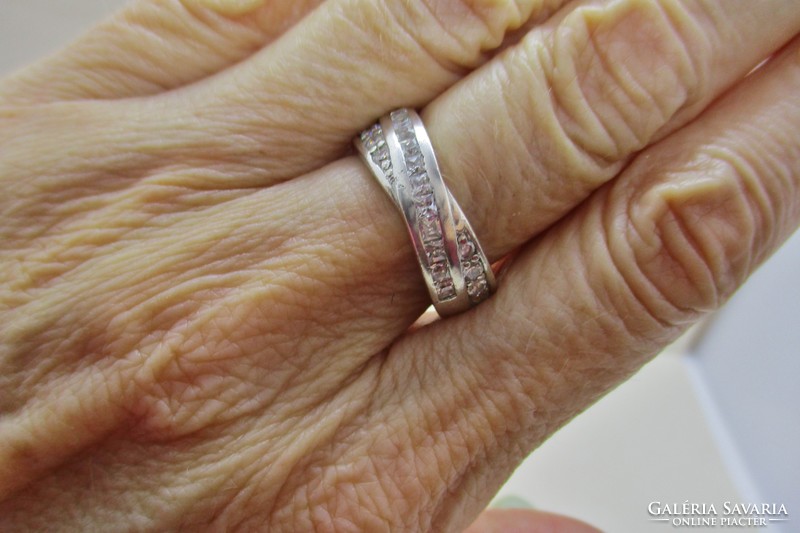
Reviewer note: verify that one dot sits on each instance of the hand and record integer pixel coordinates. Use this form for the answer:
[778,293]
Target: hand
[204,305]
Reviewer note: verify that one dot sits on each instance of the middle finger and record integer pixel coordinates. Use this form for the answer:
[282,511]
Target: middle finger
[579,97]
[532,133]
[294,106]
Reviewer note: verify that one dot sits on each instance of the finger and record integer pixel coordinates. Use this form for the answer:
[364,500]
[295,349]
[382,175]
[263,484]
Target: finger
[559,114]
[526,521]
[297,104]
[152,46]
[596,296]
[512,187]
[354,193]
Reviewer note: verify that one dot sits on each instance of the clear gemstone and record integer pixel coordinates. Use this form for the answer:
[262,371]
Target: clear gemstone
[406,133]
[439,272]
[430,230]
[418,177]
[435,254]
[424,190]
[473,273]
[428,213]
[447,292]
[477,289]
[466,249]
[425,202]
[414,153]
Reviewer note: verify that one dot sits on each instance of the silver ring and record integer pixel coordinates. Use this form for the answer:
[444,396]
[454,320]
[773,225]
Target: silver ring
[399,154]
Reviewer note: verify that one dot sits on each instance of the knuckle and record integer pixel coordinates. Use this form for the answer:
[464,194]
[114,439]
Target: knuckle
[197,376]
[456,33]
[693,236]
[617,74]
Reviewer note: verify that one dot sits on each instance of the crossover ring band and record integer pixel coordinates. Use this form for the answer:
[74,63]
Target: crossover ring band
[400,156]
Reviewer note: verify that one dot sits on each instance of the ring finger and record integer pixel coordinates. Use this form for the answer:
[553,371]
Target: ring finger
[579,98]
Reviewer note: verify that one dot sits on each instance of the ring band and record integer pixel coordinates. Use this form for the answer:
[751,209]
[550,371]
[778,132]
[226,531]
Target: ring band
[399,154]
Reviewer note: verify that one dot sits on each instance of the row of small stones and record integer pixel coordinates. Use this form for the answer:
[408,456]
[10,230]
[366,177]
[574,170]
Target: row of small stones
[375,143]
[427,213]
[474,273]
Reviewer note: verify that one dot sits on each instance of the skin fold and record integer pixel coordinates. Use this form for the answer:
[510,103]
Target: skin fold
[205,300]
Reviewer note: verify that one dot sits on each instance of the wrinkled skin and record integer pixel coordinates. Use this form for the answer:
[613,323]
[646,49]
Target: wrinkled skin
[205,302]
